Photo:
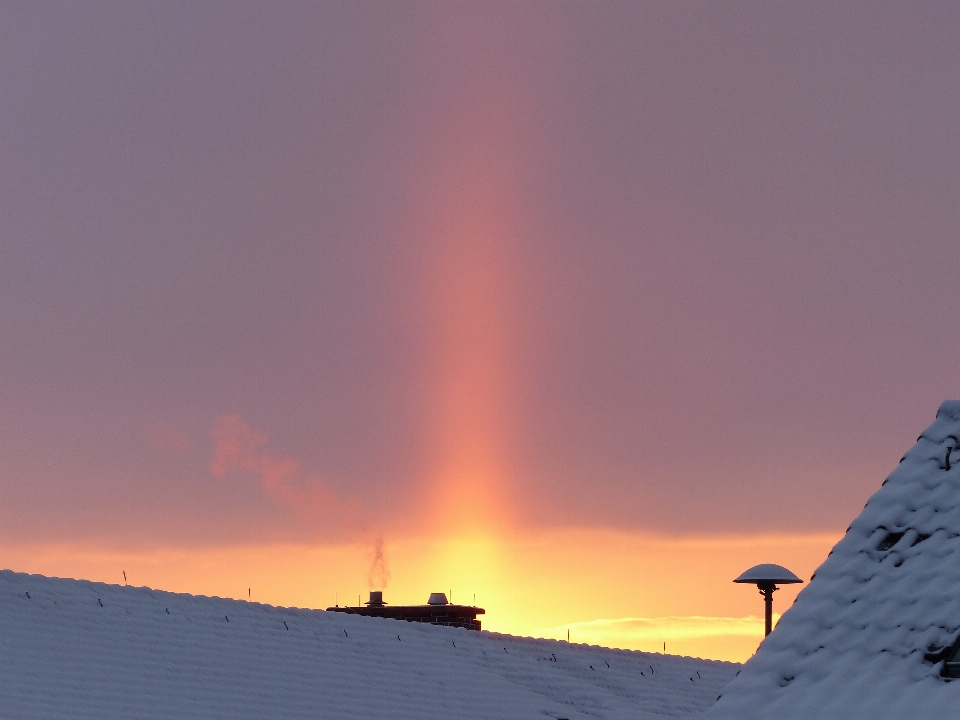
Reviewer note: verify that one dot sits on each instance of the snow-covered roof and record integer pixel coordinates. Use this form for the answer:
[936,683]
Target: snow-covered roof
[868,637]
[72,648]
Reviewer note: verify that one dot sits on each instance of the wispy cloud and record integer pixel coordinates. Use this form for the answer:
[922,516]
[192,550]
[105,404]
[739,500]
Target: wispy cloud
[239,448]
[625,632]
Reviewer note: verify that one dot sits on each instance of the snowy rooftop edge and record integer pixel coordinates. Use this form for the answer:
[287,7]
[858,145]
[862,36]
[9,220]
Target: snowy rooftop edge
[75,648]
[868,637]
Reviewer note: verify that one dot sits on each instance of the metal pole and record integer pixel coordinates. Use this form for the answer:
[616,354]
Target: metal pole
[768,603]
[767,589]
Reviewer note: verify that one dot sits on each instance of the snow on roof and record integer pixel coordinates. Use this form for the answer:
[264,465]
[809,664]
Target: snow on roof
[867,638]
[73,648]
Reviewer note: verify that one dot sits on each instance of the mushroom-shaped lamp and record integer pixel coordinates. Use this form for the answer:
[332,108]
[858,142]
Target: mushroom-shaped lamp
[766,577]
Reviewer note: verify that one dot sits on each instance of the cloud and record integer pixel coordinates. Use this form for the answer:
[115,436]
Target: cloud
[239,448]
[638,631]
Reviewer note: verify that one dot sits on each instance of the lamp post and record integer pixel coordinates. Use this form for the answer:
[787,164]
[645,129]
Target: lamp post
[766,577]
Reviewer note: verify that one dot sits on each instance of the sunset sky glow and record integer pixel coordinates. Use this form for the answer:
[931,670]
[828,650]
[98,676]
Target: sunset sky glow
[577,308]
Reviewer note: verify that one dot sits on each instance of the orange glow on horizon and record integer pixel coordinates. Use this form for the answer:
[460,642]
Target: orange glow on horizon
[608,587]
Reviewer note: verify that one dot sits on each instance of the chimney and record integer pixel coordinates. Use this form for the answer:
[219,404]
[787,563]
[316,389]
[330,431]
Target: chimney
[437,611]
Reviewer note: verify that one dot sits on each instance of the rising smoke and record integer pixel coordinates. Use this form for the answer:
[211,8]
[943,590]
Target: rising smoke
[379,573]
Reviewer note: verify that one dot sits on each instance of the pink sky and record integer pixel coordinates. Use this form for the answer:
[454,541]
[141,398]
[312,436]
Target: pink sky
[670,270]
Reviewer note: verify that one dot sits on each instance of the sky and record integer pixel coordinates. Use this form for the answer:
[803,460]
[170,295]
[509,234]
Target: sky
[580,309]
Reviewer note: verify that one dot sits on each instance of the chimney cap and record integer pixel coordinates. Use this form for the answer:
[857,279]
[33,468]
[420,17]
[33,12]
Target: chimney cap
[437,599]
[376,598]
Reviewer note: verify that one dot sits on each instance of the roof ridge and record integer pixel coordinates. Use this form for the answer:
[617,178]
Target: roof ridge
[951,408]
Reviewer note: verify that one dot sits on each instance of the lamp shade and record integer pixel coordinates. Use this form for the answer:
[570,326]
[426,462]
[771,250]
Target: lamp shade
[768,572]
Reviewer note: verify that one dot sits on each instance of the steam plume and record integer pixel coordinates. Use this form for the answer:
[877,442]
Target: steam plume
[379,573]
